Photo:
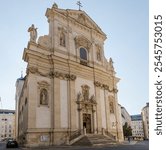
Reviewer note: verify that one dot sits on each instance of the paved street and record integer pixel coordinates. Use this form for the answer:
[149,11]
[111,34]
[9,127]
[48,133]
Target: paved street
[143,145]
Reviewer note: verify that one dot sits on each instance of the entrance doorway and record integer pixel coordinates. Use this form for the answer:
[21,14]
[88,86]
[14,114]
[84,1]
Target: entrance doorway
[87,122]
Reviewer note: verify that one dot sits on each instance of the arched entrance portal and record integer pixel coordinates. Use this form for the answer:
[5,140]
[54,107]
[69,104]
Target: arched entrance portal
[87,122]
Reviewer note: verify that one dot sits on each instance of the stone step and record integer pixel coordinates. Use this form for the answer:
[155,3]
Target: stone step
[94,139]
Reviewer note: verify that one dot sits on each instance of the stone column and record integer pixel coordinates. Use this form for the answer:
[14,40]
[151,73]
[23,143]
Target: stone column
[32,100]
[94,121]
[80,120]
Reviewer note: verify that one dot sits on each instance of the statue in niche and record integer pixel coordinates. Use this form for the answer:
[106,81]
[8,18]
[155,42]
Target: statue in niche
[62,39]
[85,92]
[33,33]
[43,97]
[98,54]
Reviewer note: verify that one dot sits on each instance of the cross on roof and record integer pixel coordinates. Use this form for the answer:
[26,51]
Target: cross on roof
[79,4]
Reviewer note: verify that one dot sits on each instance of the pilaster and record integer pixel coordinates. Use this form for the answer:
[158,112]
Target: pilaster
[57,103]
[32,103]
[72,104]
[98,111]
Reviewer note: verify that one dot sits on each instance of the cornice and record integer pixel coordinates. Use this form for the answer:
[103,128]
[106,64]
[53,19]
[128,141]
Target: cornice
[51,74]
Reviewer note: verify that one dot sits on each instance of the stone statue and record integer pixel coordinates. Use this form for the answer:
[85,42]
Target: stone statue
[98,55]
[43,97]
[33,33]
[79,96]
[62,39]
[92,99]
[85,92]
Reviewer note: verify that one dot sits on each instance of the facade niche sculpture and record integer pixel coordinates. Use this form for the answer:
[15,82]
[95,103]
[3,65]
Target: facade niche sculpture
[43,97]
[85,92]
[98,52]
[62,39]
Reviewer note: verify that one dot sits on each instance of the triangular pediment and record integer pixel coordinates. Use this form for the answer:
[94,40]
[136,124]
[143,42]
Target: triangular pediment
[82,18]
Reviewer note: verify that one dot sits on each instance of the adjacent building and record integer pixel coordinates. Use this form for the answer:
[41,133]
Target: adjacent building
[145,118]
[70,88]
[19,87]
[126,118]
[137,126]
[7,124]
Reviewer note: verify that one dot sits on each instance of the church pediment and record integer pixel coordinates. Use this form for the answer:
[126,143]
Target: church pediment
[82,18]
[78,16]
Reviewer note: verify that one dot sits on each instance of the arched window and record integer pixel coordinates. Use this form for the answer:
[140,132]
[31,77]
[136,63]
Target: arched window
[83,53]
[83,56]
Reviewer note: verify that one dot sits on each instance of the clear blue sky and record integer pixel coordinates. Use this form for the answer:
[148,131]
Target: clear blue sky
[124,21]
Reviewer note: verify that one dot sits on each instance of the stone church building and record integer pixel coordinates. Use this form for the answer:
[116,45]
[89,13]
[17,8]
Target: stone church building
[70,89]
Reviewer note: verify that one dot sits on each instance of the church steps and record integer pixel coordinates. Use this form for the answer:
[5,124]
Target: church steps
[94,140]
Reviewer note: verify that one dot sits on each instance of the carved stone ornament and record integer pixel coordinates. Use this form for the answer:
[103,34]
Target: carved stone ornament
[45,41]
[85,92]
[111,104]
[43,84]
[104,86]
[72,77]
[32,70]
[63,76]
[115,90]
[111,107]
[81,19]
[86,104]
[82,41]
[98,52]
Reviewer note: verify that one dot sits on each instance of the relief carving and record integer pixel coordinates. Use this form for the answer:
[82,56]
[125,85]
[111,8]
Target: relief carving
[81,19]
[98,52]
[104,86]
[111,104]
[81,41]
[85,92]
[85,103]
[32,70]
[63,76]
[45,41]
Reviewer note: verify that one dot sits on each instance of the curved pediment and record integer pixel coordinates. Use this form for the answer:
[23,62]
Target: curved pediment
[82,41]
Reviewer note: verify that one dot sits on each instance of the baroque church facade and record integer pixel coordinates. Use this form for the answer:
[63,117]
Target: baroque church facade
[70,89]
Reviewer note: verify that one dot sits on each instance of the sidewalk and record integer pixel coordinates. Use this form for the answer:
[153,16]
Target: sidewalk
[132,142]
